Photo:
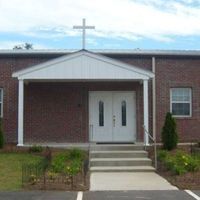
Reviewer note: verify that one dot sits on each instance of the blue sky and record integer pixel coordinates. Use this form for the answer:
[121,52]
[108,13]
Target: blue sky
[120,24]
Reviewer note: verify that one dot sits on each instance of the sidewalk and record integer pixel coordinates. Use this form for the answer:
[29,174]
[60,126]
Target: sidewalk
[128,181]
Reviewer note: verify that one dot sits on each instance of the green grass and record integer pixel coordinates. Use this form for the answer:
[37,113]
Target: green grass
[10,169]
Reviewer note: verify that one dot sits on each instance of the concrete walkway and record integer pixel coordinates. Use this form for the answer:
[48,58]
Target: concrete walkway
[100,181]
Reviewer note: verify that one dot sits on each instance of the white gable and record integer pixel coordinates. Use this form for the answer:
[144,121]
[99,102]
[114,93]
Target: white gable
[83,65]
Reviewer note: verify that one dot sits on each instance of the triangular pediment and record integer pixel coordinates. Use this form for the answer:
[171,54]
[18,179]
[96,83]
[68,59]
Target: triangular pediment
[83,65]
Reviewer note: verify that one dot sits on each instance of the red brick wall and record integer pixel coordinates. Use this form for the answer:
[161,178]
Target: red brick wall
[10,87]
[177,72]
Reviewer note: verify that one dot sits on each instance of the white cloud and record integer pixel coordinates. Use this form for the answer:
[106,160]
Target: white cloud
[130,19]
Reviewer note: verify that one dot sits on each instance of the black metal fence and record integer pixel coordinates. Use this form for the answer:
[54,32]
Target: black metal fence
[38,176]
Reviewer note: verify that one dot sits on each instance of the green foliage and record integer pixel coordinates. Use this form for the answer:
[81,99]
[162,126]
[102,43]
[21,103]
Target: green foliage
[169,133]
[35,149]
[76,154]
[11,169]
[73,168]
[162,155]
[25,46]
[69,162]
[1,135]
[180,162]
[52,175]
[59,162]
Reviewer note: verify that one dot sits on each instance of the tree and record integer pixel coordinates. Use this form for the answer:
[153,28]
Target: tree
[25,46]
[169,133]
[1,135]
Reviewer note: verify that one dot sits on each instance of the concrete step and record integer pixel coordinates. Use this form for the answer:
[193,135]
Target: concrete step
[120,162]
[118,154]
[116,147]
[123,169]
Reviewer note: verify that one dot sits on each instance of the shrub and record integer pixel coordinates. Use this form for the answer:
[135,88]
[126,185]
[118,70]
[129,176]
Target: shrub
[59,162]
[35,149]
[169,133]
[180,162]
[162,155]
[76,154]
[73,168]
[1,135]
[68,162]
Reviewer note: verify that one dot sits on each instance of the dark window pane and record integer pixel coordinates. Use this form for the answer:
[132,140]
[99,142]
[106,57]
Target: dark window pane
[101,113]
[123,113]
[181,109]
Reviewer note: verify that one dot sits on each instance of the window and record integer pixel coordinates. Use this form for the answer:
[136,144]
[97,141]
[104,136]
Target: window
[181,99]
[1,102]
[101,113]
[123,113]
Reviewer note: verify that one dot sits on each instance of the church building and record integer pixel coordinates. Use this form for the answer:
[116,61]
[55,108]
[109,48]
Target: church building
[101,96]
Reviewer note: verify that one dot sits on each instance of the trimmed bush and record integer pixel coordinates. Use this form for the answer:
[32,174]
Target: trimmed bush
[169,133]
[1,135]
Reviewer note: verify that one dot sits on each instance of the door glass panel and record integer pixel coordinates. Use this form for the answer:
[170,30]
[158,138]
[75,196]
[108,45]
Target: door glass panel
[101,113]
[123,113]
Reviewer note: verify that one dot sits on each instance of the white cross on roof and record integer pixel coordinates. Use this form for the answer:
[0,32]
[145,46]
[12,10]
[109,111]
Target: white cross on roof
[83,27]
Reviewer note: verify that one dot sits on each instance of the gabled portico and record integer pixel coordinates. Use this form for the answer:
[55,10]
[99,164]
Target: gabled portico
[82,66]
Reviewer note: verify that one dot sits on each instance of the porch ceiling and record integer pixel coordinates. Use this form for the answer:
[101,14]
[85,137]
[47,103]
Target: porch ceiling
[83,65]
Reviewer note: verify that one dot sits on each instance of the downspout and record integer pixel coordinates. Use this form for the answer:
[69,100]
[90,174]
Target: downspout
[154,108]
[154,97]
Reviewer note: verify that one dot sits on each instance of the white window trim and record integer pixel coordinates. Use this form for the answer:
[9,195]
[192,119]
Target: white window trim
[1,102]
[190,102]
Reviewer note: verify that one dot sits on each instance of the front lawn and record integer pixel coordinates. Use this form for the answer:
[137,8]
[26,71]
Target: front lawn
[10,169]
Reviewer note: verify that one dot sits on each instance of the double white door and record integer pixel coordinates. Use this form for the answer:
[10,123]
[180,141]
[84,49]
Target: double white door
[112,116]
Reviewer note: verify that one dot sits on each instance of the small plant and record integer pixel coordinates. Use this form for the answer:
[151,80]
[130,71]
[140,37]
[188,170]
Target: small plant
[1,135]
[180,162]
[162,155]
[76,154]
[169,133]
[32,179]
[73,168]
[52,175]
[59,162]
[35,149]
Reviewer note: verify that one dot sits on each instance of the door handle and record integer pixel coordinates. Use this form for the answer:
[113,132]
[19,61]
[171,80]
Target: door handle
[113,120]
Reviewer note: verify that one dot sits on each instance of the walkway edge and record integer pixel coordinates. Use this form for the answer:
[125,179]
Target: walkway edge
[192,194]
[80,195]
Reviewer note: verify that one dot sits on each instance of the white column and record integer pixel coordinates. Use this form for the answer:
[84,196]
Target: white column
[146,110]
[21,113]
